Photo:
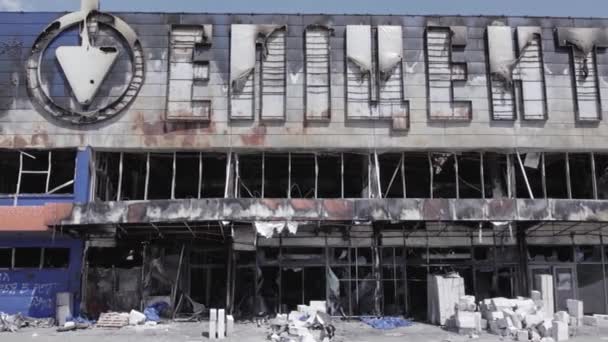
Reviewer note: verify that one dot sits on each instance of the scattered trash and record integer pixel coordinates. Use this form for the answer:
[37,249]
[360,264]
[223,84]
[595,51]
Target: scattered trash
[136,317]
[154,311]
[386,323]
[113,320]
[13,323]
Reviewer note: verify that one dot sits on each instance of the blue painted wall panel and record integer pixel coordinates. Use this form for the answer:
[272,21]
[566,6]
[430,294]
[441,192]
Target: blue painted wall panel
[32,291]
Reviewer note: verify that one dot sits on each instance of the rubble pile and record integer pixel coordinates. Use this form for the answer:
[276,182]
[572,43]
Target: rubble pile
[522,319]
[310,323]
[13,323]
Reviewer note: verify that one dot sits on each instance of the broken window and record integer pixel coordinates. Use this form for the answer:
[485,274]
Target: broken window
[6,258]
[443,72]
[133,185]
[330,183]
[107,170]
[188,170]
[37,172]
[550,253]
[28,257]
[588,253]
[470,183]
[136,176]
[496,175]
[417,175]
[355,175]
[393,280]
[276,175]
[581,177]
[532,165]
[56,258]
[443,176]
[318,73]
[601,174]
[214,175]
[251,170]
[556,176]
[160,184]
[9,169]
[392,177]
[590,281]
[303,175]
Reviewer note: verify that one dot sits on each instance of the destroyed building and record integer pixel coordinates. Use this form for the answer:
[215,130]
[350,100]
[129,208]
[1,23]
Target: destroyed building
[257,162]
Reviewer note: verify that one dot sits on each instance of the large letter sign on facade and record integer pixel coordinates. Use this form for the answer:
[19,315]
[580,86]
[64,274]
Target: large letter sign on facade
[442,71]
[374,74]
[317,94]
[583,60]
[258,76]
[527,68]
[86,67]
[189,73]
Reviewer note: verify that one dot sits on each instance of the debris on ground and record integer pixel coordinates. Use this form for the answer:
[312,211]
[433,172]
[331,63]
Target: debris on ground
[154,311]
[386,323]
[13,323]
[113,320]
[521,318]
[310,323]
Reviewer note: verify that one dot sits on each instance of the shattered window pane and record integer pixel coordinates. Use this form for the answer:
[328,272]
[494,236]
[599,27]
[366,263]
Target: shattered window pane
[56,258]
[27,257]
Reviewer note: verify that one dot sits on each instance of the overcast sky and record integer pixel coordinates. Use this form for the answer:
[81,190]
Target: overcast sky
[576,8]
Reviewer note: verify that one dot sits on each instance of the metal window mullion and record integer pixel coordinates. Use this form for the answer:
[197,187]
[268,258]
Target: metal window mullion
[316,176]
[147,181]
[377,164]
[289,175]
[18,190]
[263,173]
[200,175]
[403,175]
[544,175]
[482,175]
[342,175]
[120,169]
[509,176]
[428,157]
[174,174]
[568,183]
[48,171]
[593,175]
[456,176]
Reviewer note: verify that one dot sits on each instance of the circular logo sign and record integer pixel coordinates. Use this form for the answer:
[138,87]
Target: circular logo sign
[89,82]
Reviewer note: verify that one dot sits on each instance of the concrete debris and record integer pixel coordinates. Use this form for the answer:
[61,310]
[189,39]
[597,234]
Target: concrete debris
[521,319]
[444,293]
[305,325]
[575,309]
[13,323]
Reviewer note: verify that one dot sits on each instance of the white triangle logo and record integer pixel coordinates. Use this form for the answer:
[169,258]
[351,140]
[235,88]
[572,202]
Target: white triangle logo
[85,68]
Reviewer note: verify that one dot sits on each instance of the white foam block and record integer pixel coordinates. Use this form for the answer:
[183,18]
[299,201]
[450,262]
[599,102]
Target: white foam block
[212,324]
[221,323]
[229,325]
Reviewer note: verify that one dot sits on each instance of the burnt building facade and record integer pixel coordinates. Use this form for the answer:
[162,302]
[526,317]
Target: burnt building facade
[257,162]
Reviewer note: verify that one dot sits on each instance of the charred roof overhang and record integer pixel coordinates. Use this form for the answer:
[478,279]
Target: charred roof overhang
[310,210]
